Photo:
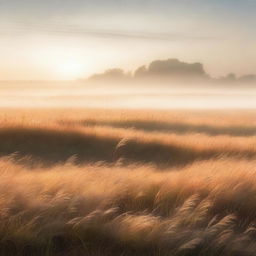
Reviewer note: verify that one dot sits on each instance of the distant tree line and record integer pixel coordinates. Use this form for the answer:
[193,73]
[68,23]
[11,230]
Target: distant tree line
[170,69]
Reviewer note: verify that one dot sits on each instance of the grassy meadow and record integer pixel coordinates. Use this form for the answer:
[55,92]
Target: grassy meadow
[127,182]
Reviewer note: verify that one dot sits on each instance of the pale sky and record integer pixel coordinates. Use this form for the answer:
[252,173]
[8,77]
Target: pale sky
[69,39]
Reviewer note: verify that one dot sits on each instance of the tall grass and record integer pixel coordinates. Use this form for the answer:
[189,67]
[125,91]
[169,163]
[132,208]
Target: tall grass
[204,209]
[54,144]
[70,189]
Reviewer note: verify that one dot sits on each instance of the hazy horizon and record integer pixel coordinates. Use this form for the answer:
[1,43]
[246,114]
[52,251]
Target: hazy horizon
[126,95]
[128,54]
[67,40]
[169,69]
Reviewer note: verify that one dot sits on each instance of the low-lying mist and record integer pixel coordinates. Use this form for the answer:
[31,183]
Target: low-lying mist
[126,94]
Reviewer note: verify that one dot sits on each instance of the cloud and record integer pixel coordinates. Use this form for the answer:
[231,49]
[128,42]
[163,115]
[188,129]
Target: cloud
[75,30]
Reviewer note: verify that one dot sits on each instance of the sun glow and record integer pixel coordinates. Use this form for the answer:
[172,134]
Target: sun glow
[69,69]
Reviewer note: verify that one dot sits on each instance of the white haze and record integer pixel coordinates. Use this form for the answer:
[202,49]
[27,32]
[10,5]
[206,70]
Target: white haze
[157,95]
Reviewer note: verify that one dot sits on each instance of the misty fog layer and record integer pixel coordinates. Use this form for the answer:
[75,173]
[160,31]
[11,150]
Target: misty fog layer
[156,95]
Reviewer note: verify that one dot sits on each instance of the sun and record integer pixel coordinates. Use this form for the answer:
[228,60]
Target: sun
[69,69]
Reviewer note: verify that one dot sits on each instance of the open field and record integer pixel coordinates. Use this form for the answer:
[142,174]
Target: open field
[127,182]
